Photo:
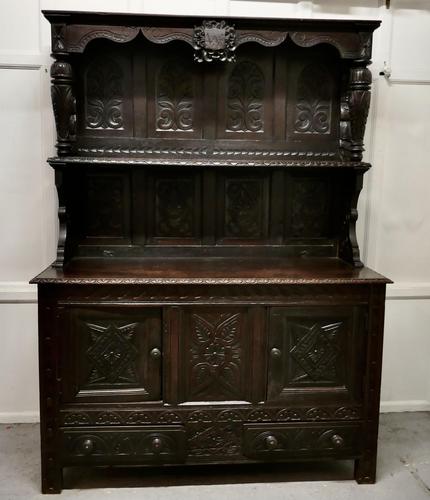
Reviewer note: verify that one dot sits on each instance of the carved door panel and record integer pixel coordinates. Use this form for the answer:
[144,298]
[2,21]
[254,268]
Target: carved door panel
[112,354]
[218,354]
[316,354]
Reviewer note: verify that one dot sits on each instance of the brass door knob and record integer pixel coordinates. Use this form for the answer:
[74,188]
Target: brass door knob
[337,440]
[275,353]
[155,353]
[271,442]
[87,446]
[156,444]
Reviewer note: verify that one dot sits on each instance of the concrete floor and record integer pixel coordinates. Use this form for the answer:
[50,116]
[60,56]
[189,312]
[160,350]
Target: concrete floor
[403,473]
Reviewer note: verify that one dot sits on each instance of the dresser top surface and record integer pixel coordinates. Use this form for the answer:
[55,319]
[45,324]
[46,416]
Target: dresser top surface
[214,270]
[116,18]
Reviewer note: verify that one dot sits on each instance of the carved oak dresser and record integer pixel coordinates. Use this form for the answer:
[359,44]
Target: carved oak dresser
[208,304]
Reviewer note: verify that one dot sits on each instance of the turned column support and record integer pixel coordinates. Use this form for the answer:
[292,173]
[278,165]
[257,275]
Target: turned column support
[358,103]
[63,102]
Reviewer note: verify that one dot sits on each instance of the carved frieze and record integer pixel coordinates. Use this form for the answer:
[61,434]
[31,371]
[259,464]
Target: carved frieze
[214,39]
[210,416]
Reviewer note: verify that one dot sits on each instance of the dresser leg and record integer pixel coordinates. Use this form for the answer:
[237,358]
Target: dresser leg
[365,470]
[52,477]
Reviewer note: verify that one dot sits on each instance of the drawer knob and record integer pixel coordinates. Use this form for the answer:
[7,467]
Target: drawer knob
[275,353]
[156,444]
[337,440]
[271,442]
[87,446]
[155,353]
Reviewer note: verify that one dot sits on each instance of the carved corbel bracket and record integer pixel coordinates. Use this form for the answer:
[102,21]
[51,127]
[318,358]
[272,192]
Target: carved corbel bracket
[62,218]
[349,249]
[63,103]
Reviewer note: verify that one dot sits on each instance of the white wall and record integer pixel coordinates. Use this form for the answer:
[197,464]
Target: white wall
[394,226]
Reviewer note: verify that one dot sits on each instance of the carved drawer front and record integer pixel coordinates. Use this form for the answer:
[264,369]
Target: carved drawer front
[112,354]
[316,354]
[140,445]
[284,441]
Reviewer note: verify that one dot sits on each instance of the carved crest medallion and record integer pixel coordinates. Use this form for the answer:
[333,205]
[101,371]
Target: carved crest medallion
[214,40]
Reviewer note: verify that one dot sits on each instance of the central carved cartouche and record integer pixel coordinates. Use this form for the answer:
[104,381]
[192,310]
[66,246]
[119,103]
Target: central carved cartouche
[214,40]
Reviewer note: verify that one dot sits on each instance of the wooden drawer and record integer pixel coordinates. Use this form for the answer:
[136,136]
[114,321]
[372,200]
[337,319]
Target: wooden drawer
[123,445]
[285,441]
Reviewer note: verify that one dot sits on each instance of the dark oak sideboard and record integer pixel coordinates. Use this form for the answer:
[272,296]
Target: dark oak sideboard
[208,303]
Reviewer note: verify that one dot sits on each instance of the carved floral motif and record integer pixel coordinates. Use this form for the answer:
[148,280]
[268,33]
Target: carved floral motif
[215,356]
[314,101]
[245,106]
[175,94]
[104,96]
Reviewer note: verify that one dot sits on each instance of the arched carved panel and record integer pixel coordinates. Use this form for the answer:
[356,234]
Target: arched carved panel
[174,98]
[314,100]
[245,98]
[104,95]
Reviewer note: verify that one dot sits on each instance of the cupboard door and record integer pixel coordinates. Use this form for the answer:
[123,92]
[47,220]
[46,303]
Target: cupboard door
[112,354]
[218,354]
[316,354]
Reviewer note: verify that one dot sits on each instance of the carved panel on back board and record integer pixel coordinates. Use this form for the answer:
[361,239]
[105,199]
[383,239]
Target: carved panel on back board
[104,95]
[106,210]
[314,100]
[175,95]
[245,98]
[310,207]
[175,206]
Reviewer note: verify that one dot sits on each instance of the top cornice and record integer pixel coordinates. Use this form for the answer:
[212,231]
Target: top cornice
[212,38]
